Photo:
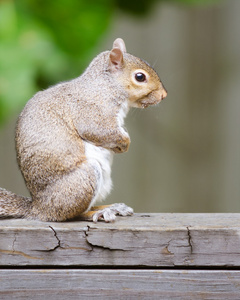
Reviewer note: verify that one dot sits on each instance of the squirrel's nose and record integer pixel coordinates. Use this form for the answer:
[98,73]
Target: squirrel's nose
[164,93]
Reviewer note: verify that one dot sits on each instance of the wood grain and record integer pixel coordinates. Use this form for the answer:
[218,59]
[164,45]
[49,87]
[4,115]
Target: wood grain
[119,284]
[148,240]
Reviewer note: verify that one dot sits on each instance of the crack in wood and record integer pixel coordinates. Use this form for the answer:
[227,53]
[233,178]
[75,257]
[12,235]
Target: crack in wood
[166,250]
[15,252]
[189,239]
[96,245]
[54,248]
[86,235]
[58,240]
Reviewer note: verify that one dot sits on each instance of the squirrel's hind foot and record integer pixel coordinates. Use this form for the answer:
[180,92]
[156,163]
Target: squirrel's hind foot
[109,212]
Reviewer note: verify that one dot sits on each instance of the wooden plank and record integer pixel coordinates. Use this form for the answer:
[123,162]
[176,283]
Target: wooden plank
[119,284]
[154,240]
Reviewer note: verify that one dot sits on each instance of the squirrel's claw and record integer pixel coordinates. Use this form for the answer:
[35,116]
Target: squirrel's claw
[108,214]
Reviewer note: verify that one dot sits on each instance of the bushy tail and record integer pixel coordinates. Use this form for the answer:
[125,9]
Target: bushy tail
[13,206]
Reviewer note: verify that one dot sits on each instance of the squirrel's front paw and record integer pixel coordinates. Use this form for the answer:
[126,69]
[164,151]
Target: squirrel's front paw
[108,214]
[122,144]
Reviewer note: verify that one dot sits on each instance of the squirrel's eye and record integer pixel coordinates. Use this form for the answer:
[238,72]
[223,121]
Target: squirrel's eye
[140,77]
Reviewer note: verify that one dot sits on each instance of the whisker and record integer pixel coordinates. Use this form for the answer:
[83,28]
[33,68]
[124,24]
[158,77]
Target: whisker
[155,62]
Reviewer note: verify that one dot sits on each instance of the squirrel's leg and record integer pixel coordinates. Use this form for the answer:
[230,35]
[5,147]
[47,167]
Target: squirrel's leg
[73,194]
[107,212]
[67,197]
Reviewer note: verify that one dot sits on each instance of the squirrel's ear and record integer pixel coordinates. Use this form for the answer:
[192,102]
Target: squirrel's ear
[119,43]
[116,55]
[115,59]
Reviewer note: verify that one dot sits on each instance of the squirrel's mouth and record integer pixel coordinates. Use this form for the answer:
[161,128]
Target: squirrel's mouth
[152,98]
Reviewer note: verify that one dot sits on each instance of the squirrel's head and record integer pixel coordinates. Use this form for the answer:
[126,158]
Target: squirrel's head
[136,76]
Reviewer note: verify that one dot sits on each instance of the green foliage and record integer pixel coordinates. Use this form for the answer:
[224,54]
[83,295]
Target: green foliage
[45,41]
[42,42]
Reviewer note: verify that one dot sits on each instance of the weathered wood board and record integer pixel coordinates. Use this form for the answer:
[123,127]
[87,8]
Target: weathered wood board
[119,284]
[147,240]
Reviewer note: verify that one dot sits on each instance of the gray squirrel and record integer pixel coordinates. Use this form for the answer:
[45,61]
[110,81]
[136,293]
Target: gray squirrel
[66,136]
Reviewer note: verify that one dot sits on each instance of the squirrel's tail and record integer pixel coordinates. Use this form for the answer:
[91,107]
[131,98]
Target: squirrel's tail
[13,206]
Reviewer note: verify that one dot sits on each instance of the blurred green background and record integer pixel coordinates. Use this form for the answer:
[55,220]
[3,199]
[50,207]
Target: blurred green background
[185,153]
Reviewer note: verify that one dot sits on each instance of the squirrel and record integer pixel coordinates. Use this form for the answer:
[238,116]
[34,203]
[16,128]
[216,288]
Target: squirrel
[66,136]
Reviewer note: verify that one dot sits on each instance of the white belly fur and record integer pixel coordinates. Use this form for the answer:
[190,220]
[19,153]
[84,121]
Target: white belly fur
[101,159]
